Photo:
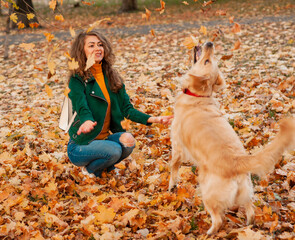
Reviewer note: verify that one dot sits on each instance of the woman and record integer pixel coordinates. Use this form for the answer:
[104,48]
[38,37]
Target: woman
[97,139]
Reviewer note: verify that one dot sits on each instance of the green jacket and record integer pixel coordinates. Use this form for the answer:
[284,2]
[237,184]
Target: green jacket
[90,104]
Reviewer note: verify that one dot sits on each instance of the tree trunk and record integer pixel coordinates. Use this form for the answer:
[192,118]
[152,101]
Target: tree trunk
[7,32]
[25,7]
[128,5]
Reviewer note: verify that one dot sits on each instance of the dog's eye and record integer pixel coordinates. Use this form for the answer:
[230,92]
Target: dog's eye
[207,61]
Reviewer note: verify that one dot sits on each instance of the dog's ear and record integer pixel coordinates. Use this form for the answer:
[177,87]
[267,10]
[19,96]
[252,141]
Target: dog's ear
[220,82]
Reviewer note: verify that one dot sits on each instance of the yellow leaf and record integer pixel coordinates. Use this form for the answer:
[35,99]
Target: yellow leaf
[51,66]
[95,24]
[30,16]
[105,215]
[13,17]
[2,78]
[67,91]
[90,62]
[52,4]
[27,46]
[59,18]
[48,91]
[73,64]
[203,30]
[190,42]
[49,36]
[72,32]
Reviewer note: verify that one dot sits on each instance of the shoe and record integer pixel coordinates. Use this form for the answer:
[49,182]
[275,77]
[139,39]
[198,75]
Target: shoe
[86,173]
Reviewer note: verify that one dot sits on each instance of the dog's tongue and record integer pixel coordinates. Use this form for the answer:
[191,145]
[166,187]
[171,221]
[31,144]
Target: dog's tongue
[198,52]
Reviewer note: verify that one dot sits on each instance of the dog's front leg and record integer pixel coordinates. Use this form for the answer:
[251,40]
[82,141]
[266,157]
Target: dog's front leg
[174,166]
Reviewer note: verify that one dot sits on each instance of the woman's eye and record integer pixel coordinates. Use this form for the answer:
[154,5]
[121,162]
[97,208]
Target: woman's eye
[207,61]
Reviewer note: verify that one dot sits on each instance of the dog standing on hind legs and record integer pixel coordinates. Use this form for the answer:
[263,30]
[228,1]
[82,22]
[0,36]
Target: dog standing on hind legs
[200,134]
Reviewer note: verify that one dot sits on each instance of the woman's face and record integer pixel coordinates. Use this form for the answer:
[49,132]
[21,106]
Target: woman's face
[94,46]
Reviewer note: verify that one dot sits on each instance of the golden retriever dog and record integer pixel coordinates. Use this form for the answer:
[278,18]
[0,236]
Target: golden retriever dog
[201,135]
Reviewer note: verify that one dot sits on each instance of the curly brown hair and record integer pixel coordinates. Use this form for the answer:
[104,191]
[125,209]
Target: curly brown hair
[78,53]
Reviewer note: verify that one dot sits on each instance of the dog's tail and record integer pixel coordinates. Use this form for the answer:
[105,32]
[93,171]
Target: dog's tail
[263,161]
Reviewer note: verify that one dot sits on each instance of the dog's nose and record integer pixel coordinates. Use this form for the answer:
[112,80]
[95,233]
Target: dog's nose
[209,44]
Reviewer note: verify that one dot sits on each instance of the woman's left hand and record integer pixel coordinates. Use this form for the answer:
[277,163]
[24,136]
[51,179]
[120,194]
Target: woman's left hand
[161,119]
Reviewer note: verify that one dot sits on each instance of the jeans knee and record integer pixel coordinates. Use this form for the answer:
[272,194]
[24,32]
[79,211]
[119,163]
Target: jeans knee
[127,140]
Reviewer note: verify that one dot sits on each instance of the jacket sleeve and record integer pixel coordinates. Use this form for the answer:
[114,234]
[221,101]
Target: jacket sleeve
[79,100]
[130,112]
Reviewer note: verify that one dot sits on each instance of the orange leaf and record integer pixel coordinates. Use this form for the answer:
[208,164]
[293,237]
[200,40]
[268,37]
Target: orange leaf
[237,45]
[147,14]
[161,10]
[52,4]
[153,32]
[126,124]
[236,28]
[48,91]
[220,12]
[59,18]
[207,3]
[49,36]
[231,19]
[87,3]
[20,25]
[226,57]
[203,30]
[34,25]
[190,42]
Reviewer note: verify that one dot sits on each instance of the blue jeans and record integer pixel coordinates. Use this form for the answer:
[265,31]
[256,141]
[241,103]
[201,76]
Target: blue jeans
[99,155]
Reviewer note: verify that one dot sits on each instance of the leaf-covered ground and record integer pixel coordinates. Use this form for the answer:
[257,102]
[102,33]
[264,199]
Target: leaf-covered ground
[44,196]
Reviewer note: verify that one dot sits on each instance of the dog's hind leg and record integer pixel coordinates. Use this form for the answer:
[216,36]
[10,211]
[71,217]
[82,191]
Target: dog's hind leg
[174,166]
[244,198]
[216,216]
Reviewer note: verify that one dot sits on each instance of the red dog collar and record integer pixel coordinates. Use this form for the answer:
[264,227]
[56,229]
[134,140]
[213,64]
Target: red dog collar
[188,92]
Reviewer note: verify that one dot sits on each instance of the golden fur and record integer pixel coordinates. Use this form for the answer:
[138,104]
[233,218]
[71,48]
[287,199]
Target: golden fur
[203,136]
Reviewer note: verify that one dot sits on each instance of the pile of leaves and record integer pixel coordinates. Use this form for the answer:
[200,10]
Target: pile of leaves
[44,196]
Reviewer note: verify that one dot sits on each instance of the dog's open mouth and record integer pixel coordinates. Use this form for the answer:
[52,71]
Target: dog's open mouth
[197,53]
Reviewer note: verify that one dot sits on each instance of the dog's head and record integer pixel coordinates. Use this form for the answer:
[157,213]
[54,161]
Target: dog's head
[204,77]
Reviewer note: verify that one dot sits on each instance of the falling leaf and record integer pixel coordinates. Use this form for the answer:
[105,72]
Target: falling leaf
[51,66]
[203,30]
[30,16]
[27,46]
[73,64]
[52,4]
[237,45]
[90,61]
[87,3]
[249,234]
[220,12]
[72,32]
[97,23]
[185,3]
[153,32]
[34,25]
[126,124]
[236,28]
[207,3]
[59,18]
[13,17]
[190,42]
[231,19]
[162,9]
[49,36]
[20,25]
[147,14]
[67,91]
[48,90]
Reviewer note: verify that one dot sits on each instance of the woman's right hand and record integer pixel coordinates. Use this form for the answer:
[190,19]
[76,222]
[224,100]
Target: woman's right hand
[86,127]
